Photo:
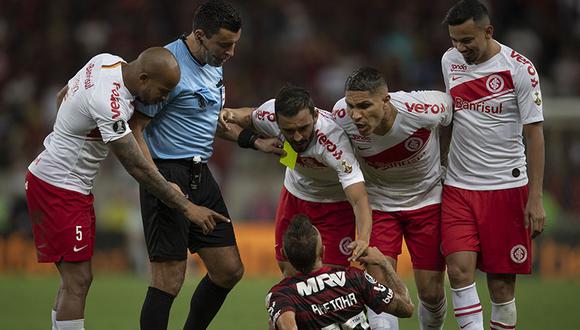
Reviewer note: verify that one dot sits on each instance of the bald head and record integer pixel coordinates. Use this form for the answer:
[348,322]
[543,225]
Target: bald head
[153,75]
[159,64]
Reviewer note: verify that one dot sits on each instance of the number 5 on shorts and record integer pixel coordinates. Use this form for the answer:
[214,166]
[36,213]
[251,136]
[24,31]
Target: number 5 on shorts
[79,233]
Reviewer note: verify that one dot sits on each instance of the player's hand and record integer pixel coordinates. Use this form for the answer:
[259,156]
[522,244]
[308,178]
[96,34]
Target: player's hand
[226,116]
[205,218]
[372,256]
[271,145]
[357,247]
[535,216]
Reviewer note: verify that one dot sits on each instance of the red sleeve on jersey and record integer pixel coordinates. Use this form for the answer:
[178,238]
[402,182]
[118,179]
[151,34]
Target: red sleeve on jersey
[277,303]
[376,296]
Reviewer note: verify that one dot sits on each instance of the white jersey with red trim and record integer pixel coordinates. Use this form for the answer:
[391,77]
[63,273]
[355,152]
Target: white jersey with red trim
[492,102]
[402,168]
[94,111]
[326,167]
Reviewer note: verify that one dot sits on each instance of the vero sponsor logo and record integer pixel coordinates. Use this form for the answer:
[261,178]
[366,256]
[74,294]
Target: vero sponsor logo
[115,106]
[322,139]
[425,107]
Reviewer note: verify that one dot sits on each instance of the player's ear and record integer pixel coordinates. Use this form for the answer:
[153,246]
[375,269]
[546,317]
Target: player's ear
[198,33]
[387,98]
[488,31]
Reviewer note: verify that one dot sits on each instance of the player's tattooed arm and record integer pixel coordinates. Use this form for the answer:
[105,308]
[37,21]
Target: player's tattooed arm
[60,96]
[138,123]
[381,269]
[131,157]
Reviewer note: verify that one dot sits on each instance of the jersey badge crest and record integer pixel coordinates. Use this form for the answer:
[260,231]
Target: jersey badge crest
[346,167]
[119,127]
[537,98]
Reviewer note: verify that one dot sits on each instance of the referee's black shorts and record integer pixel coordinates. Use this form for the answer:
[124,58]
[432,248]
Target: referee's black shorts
[168,233]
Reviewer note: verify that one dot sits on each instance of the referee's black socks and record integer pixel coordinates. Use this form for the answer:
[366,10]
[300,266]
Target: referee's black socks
[155,311]
[205,303]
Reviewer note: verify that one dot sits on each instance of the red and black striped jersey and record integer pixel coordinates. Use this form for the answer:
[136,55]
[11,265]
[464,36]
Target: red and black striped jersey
[329,298]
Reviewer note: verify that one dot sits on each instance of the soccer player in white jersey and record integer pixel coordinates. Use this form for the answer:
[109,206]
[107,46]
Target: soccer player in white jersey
[396,138]
[327,184]
[93,110]
[490,211]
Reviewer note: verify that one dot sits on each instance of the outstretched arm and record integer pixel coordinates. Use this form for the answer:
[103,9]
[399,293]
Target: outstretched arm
[239,116]
[233,122]
[138,123]
[131,157]
[380,268]
[358,198]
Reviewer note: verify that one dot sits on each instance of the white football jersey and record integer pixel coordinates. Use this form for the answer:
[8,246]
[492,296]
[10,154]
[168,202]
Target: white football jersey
[94,112]
[326,167]
[402,168]
[492,102]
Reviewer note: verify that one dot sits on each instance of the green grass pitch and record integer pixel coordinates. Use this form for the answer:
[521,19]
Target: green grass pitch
[114,302]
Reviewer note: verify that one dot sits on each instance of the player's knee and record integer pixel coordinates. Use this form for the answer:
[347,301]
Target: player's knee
[78,284]
[501,290]
[459,274]
[171,285]
[170,280]
[230,276]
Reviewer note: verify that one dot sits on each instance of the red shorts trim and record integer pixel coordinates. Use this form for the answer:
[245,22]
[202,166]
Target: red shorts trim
[490,223]
[63,222]
[334,221]
[421,229]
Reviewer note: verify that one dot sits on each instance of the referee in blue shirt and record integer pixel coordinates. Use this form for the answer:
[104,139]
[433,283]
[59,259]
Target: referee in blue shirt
[177,135]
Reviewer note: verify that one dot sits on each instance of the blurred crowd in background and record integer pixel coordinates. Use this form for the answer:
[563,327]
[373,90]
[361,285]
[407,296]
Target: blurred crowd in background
[314,44]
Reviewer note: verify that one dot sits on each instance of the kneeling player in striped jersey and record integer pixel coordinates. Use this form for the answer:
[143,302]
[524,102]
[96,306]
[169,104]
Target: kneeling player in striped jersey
[319,297]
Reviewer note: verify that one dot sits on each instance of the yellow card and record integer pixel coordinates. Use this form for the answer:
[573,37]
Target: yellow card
[291,156]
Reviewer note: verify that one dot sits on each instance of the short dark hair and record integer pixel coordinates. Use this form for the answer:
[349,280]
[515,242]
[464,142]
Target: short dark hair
[464,10]
[301,243]
[291,99]
[365,79]
[213,15]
